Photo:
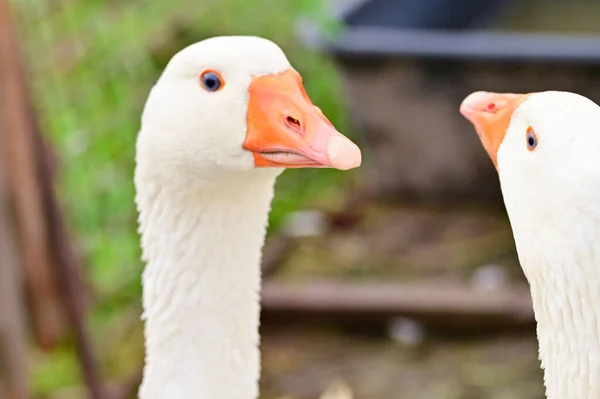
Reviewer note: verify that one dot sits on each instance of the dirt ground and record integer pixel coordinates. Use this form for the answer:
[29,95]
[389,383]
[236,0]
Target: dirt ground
[403,243]
[303,364]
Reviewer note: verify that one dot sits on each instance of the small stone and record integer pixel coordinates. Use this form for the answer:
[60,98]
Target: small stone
[337,390]
[489,278]
[309,223]
[406,331]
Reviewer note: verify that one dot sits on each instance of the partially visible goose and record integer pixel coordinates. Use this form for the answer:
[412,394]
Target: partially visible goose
[546,147]
[223,121]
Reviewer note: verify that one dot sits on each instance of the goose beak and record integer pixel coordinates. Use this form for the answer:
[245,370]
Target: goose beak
[285,129]
[490,114]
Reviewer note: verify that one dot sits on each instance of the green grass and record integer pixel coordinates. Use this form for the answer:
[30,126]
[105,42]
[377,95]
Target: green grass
[91,64]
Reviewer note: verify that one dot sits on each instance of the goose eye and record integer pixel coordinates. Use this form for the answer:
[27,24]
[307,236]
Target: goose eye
[532,140]
[211,81]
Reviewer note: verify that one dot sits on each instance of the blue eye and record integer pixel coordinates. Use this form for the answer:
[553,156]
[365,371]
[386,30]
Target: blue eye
[211,81]
[532,140]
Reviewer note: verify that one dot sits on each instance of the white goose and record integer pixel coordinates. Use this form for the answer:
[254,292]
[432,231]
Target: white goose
[546,147]
[224,119]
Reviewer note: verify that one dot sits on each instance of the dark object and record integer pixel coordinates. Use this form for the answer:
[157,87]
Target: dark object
[405,76]
[425,14]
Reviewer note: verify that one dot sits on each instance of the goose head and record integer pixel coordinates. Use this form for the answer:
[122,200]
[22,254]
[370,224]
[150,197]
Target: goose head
[235,104]
[544,146]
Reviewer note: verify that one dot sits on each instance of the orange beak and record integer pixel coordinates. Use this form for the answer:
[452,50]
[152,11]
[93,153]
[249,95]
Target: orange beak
[491,113]
[285,129]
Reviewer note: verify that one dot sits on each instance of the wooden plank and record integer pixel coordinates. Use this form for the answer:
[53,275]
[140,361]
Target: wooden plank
[441,304]
[23,185]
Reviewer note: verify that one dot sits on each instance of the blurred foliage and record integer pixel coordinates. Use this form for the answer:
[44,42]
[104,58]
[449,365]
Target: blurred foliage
[90,65]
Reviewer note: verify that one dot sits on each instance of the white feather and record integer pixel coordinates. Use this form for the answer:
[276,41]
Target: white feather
[552,196]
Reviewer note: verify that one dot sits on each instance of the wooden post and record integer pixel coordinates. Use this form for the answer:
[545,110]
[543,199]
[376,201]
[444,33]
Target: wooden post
[50,265]
[23,186]
[13,343]
[67,271]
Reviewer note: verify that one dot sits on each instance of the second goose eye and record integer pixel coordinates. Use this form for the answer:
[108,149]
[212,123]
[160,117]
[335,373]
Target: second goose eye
[532,140]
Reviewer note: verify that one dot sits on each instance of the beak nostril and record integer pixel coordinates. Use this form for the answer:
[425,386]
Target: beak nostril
[293,123]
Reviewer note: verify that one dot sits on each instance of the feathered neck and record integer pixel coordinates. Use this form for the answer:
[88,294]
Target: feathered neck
[202,245]
[562,264]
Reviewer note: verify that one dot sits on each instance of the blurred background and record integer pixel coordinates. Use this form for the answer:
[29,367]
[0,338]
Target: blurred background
[398,280]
